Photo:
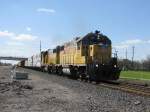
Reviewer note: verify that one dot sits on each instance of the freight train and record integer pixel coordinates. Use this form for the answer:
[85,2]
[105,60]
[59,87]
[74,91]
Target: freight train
[88,57]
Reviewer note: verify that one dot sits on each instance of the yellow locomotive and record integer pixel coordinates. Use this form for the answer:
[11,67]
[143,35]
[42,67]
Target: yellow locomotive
[89,57]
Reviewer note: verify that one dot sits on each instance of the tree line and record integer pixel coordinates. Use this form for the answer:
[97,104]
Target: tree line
[126,64]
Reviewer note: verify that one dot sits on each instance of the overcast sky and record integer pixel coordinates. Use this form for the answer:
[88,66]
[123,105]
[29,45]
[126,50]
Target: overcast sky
[23,23]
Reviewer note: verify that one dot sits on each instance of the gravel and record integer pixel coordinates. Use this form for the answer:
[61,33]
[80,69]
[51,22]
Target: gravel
[51,93]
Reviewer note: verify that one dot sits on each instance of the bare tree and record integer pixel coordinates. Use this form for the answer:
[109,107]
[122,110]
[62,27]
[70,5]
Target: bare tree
[126,64]
[146,64]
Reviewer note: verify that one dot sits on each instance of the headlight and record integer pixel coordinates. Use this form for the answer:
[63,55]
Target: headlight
[96,65]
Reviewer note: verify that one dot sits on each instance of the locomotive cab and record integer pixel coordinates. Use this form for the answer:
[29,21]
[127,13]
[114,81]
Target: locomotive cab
[97,50]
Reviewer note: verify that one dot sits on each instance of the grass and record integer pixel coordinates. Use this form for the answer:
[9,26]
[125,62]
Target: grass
[141,75]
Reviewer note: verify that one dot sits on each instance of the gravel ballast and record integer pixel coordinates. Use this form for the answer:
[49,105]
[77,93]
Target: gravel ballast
[50,93]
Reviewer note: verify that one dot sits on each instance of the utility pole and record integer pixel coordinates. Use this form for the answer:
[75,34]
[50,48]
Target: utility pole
[40,46]
[126,61]
[126,54]
[40,53]
[116,53]
[133,56]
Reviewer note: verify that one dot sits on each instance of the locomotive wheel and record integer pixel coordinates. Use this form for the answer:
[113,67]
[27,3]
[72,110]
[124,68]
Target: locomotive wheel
[49,70]
[43,69]
[60,72]
[74,75]
[90,80]
[83,77]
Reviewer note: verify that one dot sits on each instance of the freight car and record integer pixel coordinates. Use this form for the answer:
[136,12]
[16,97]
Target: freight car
[89,57]
[33,62]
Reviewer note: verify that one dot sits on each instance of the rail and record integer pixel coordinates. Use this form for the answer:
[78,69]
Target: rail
[137,89]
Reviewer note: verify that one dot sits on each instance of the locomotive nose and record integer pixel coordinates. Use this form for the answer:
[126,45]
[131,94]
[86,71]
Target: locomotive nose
[100,53]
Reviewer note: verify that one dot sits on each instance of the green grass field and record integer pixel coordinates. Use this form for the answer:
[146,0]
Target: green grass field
[141,75]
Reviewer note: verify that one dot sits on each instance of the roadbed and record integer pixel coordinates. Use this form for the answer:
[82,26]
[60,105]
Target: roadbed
[43,92]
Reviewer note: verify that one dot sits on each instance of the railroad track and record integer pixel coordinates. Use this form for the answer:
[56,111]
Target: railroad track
[138,89]
[130,88]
